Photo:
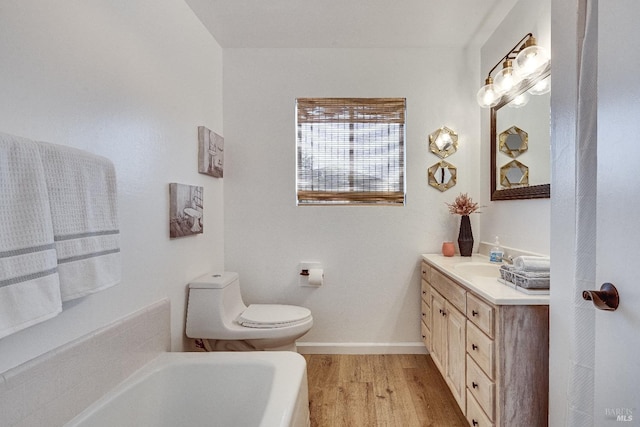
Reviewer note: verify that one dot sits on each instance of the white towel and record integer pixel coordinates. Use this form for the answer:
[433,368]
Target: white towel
[532,263]
[29,285]
[82,194]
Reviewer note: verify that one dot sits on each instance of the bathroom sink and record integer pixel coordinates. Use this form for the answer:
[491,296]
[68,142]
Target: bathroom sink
[477,269]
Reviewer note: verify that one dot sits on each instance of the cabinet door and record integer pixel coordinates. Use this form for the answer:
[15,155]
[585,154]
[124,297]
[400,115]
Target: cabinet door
[438,332]
[456,350]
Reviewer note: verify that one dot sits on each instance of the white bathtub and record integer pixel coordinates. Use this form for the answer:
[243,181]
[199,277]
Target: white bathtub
[235,389]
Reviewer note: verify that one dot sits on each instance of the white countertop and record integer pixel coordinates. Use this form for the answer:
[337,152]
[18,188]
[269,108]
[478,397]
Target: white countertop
[488,288]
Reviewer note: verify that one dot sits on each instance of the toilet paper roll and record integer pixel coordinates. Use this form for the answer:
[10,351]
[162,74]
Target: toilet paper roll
[316,275]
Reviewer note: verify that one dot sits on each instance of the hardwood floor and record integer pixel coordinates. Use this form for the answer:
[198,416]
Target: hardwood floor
[390,390]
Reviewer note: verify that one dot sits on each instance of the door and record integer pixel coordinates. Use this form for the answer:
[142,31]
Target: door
[617,352]
[456,352]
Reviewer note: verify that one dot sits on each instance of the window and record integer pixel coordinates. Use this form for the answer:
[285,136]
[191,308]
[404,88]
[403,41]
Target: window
[350,151]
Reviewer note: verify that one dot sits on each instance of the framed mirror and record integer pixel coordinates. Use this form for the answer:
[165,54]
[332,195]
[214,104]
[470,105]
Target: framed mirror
[514,174]
[443,175]
[513,141]
[522,131]
[443,142]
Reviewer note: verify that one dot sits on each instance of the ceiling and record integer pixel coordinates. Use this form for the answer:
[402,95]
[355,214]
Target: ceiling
[350,23]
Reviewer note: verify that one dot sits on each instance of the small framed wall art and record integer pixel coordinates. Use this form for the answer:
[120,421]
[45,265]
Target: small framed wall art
[210,152]
[185,210]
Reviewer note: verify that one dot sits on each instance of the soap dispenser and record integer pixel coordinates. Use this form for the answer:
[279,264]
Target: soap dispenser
[496,252]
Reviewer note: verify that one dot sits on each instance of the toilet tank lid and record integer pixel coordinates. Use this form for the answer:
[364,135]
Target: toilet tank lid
[214,280]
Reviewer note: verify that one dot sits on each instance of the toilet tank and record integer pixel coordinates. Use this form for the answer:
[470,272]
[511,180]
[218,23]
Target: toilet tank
[214,302]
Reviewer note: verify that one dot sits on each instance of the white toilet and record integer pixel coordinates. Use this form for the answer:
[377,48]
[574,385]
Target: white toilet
[217,315]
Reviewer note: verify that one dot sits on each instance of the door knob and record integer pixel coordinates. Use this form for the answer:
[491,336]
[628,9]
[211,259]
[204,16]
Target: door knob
[606,298]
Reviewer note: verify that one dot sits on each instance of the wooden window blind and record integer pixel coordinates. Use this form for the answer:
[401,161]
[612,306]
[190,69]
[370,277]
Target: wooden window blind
[350,150]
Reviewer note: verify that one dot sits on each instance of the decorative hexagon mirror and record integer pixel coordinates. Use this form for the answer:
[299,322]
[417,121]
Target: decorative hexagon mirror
[443,142]
[514,174]
[514,141]
[442,175]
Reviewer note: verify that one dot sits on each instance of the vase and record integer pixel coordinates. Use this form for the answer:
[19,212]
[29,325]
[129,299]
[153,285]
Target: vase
[448,249]
[465,237]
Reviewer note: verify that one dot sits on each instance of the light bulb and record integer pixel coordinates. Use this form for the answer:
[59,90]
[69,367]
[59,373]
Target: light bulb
[542,87]
[487,96]
[530,60]
[519,101]
[506,79]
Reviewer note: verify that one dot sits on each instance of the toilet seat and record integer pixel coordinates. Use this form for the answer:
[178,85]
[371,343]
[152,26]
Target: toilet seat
[273,316]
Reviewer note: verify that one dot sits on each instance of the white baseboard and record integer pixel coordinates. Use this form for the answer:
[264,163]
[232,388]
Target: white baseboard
[361,348]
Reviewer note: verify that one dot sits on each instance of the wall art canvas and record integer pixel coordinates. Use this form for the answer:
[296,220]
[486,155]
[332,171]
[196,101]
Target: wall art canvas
[185,210]
[210,152]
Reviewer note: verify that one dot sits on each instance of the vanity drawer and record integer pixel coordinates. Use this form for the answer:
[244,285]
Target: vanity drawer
[426,292]
[480,313]
[426,313]
[426,335]
[480,348]
[453,292]
[475,416]
[481,387]
[425,271]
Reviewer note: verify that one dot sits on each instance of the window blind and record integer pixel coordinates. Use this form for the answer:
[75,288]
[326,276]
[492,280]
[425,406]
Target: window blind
[350,150]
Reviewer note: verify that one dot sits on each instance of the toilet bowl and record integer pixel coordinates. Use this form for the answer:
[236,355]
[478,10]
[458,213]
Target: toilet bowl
[218,317]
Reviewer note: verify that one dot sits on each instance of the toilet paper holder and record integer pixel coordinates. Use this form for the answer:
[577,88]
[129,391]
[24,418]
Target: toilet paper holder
[307,278]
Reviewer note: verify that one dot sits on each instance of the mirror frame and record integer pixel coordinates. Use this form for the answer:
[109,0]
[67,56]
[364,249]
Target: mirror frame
[542,191]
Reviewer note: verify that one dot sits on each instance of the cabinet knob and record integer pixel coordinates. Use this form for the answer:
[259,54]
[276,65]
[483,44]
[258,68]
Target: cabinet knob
[444,313]
[474,384]
[424,314]
[474,422]
[424,336]
[474,347]
[424,292]
[474,313]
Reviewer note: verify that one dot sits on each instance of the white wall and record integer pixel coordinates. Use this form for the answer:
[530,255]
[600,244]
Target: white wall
[522,224]
[130,81]
[370,254]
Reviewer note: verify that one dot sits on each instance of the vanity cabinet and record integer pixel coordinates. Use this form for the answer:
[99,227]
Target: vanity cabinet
[425,302]
[494,357]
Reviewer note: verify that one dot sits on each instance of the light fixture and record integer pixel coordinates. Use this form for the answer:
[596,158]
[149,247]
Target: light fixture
[506,78]
[487,96]
[531,59]
[524,61]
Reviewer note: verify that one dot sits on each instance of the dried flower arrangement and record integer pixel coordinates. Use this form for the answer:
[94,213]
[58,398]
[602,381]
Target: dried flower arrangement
[463,205]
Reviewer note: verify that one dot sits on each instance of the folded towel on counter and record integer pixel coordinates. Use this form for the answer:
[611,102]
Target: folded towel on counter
[531,282]
[532,274]
[84,214]
[29,282]
[525,279]
[532,263]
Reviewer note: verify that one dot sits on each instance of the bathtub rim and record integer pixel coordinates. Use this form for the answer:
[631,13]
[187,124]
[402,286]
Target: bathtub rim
[289,378]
